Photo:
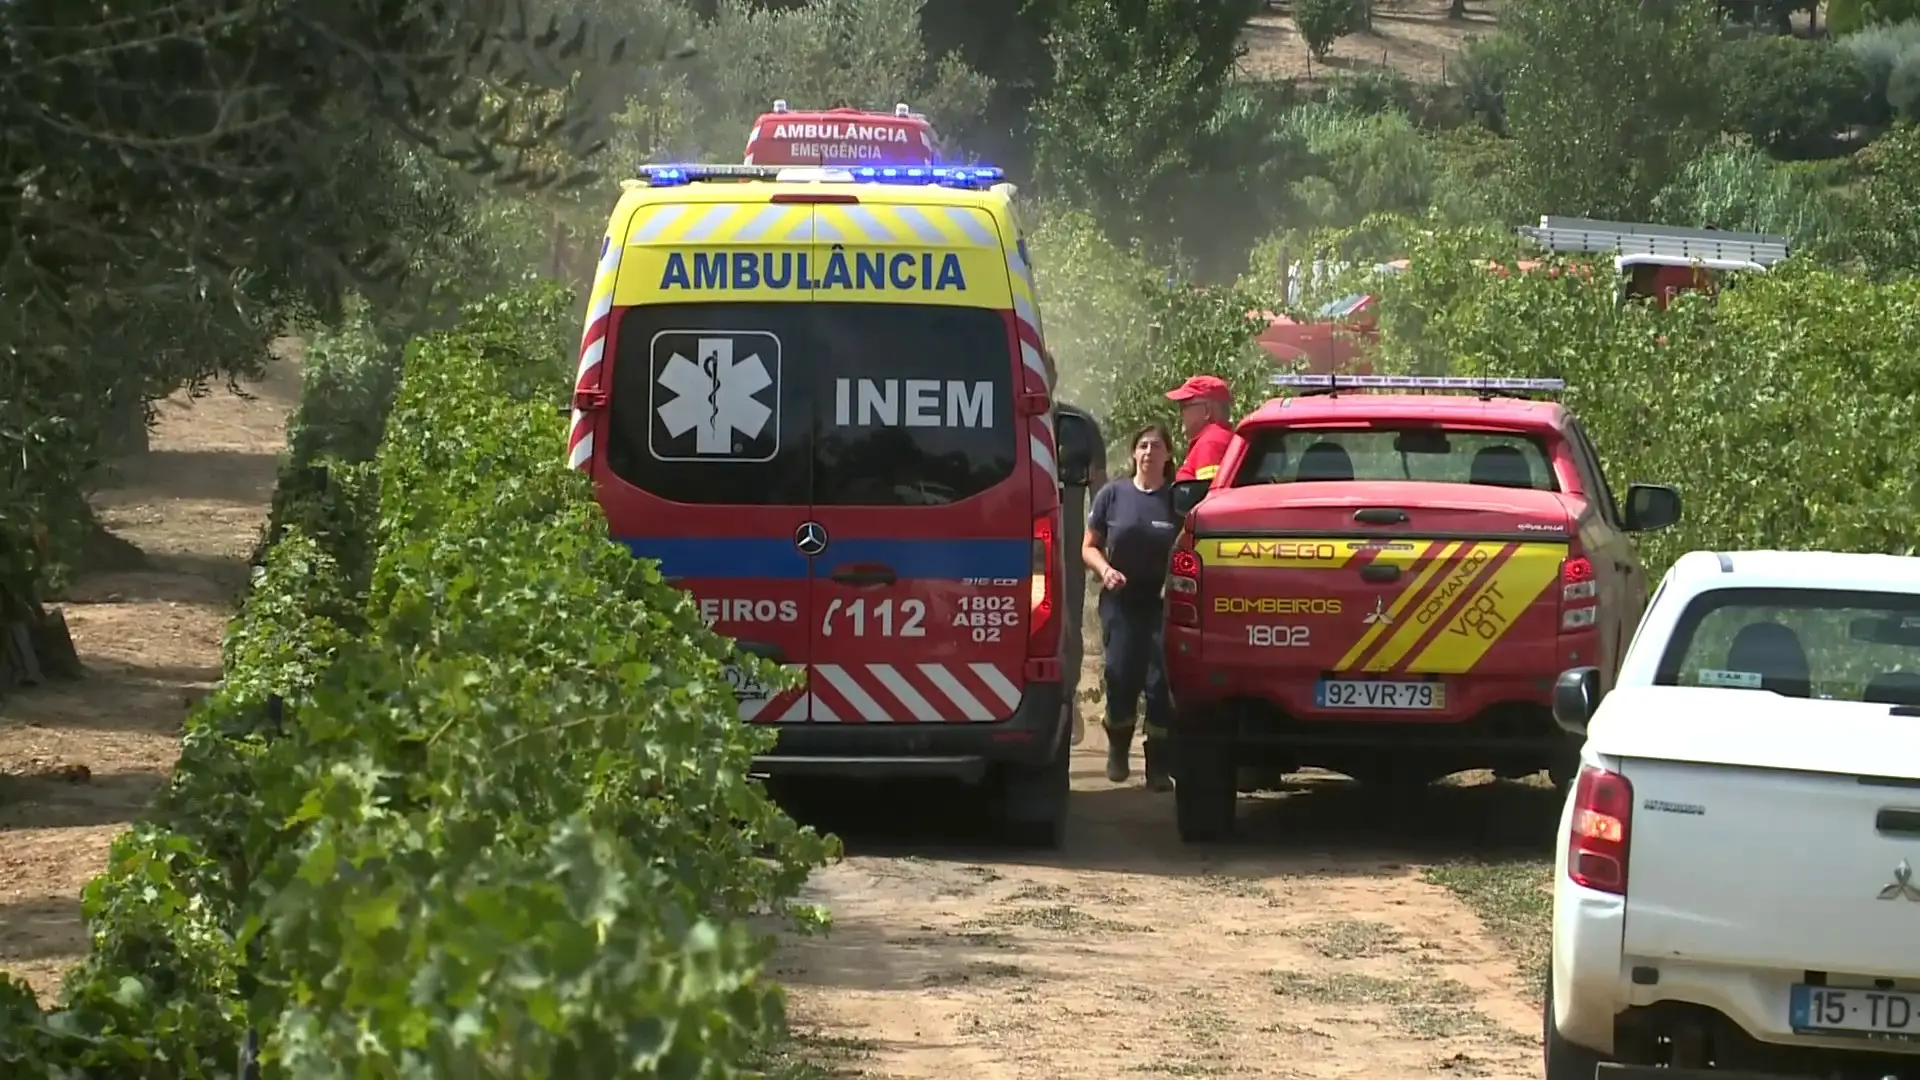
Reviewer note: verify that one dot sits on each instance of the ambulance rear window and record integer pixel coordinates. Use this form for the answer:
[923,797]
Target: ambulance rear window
[785,404]
[1421,454]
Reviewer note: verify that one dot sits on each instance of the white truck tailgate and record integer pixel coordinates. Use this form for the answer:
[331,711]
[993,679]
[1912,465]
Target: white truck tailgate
[1769,832]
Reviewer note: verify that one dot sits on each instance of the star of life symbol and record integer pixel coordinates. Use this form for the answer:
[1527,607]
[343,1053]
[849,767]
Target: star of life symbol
[1378,614]
[1903,886]
[714,393]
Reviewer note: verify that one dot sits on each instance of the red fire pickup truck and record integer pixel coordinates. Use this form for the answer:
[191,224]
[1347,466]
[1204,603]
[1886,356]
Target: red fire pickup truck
[1385,579]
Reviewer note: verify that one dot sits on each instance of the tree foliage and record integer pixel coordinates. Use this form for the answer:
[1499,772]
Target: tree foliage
[1138,85]
[1797,373]
[1321,23]
[1610,101]
[182,182]
[1849,16]
[1792,96]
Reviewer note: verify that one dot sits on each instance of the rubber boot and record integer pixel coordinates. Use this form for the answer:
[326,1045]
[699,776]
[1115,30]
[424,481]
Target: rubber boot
[1119,747]
[1159,777]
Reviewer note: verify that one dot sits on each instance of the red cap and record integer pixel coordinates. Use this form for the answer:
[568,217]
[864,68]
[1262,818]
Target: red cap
[1201,388]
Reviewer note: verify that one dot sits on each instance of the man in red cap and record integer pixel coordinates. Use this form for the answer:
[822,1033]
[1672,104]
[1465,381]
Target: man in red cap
[1205,403]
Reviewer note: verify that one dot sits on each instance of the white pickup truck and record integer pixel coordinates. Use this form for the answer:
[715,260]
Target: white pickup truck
[1738,880]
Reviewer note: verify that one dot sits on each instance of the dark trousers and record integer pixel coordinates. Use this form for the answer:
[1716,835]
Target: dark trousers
[1130,638]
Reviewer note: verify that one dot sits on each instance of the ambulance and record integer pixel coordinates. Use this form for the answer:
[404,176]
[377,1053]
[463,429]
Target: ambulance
[820,398]
[839,137]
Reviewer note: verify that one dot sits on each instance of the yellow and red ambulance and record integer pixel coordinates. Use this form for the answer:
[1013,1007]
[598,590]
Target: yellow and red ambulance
[820,398]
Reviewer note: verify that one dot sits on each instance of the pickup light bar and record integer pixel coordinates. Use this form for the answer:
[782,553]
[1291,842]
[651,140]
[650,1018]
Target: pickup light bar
[1422,382]
[968,177]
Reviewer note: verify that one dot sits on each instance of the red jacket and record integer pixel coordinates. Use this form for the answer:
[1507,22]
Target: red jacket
[1205,453]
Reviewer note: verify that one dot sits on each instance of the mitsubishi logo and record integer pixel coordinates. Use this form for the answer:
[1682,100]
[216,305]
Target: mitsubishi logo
[810,538]
[1378,614]
[1902,884]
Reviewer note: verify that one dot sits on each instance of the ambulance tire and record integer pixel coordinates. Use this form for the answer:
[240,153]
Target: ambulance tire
[1205,790]
[1034,801]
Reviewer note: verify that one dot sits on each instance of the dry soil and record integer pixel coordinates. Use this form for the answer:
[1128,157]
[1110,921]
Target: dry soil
[79,761]
[1343,934]
[1413,37]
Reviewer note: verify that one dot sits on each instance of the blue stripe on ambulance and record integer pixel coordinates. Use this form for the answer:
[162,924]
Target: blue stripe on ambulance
[776,557]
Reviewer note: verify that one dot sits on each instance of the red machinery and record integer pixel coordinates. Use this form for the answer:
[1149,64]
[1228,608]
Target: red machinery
[1653,261]
[1657,261]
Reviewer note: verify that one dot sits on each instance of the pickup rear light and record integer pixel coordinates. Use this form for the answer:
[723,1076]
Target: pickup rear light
[1183,582]
[1578,594]
[1602,821]
[1043,621]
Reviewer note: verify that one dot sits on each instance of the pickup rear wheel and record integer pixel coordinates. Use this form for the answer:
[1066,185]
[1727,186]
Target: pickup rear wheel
[1204,789]
[1565,1060]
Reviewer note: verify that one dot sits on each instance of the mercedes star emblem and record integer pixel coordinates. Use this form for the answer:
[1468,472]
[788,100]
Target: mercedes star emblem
[1903,885]
[810,538]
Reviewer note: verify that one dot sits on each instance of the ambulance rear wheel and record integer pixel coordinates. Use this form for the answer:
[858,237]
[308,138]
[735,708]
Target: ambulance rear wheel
[1204,790]
[1034,801]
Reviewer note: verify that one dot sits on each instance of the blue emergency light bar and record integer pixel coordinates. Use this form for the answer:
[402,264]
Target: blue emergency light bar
[969,177]
[1422,382]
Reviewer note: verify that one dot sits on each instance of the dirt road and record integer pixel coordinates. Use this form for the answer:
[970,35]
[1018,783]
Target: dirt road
[79,761]
[1314,947]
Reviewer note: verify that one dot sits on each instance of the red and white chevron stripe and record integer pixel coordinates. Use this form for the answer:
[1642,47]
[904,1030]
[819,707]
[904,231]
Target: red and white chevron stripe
[1040,447]
[894,694]
[593,349]
[752,138]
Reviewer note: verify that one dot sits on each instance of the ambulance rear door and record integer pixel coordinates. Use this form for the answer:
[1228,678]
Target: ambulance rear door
[924,478]
[706,456]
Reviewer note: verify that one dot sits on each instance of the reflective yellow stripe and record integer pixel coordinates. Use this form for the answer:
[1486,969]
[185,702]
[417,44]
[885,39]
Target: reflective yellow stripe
[735,245]
[1206,472]
[1494,607]
[1473,563]
[1399,605]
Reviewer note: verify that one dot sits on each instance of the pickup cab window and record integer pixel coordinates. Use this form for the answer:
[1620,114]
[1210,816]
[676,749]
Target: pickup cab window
[1821,643]
[1381,453]
[1588,455]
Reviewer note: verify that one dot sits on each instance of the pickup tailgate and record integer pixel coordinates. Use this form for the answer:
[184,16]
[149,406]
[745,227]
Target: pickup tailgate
[1460,581]
[1768,832]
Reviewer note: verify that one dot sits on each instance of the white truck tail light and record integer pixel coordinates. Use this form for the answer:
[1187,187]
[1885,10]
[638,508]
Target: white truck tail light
[1602,823]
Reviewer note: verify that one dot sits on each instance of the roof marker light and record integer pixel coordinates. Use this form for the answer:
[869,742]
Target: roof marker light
[1421,382]
[779,105]
[969,177]
[902,110]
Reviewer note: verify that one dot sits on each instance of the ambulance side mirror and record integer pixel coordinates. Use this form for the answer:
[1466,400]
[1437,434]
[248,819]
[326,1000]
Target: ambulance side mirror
[1187,495]
[1074,438]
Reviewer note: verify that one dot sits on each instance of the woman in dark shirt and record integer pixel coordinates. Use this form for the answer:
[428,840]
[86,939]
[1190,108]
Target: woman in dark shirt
[1130,534]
